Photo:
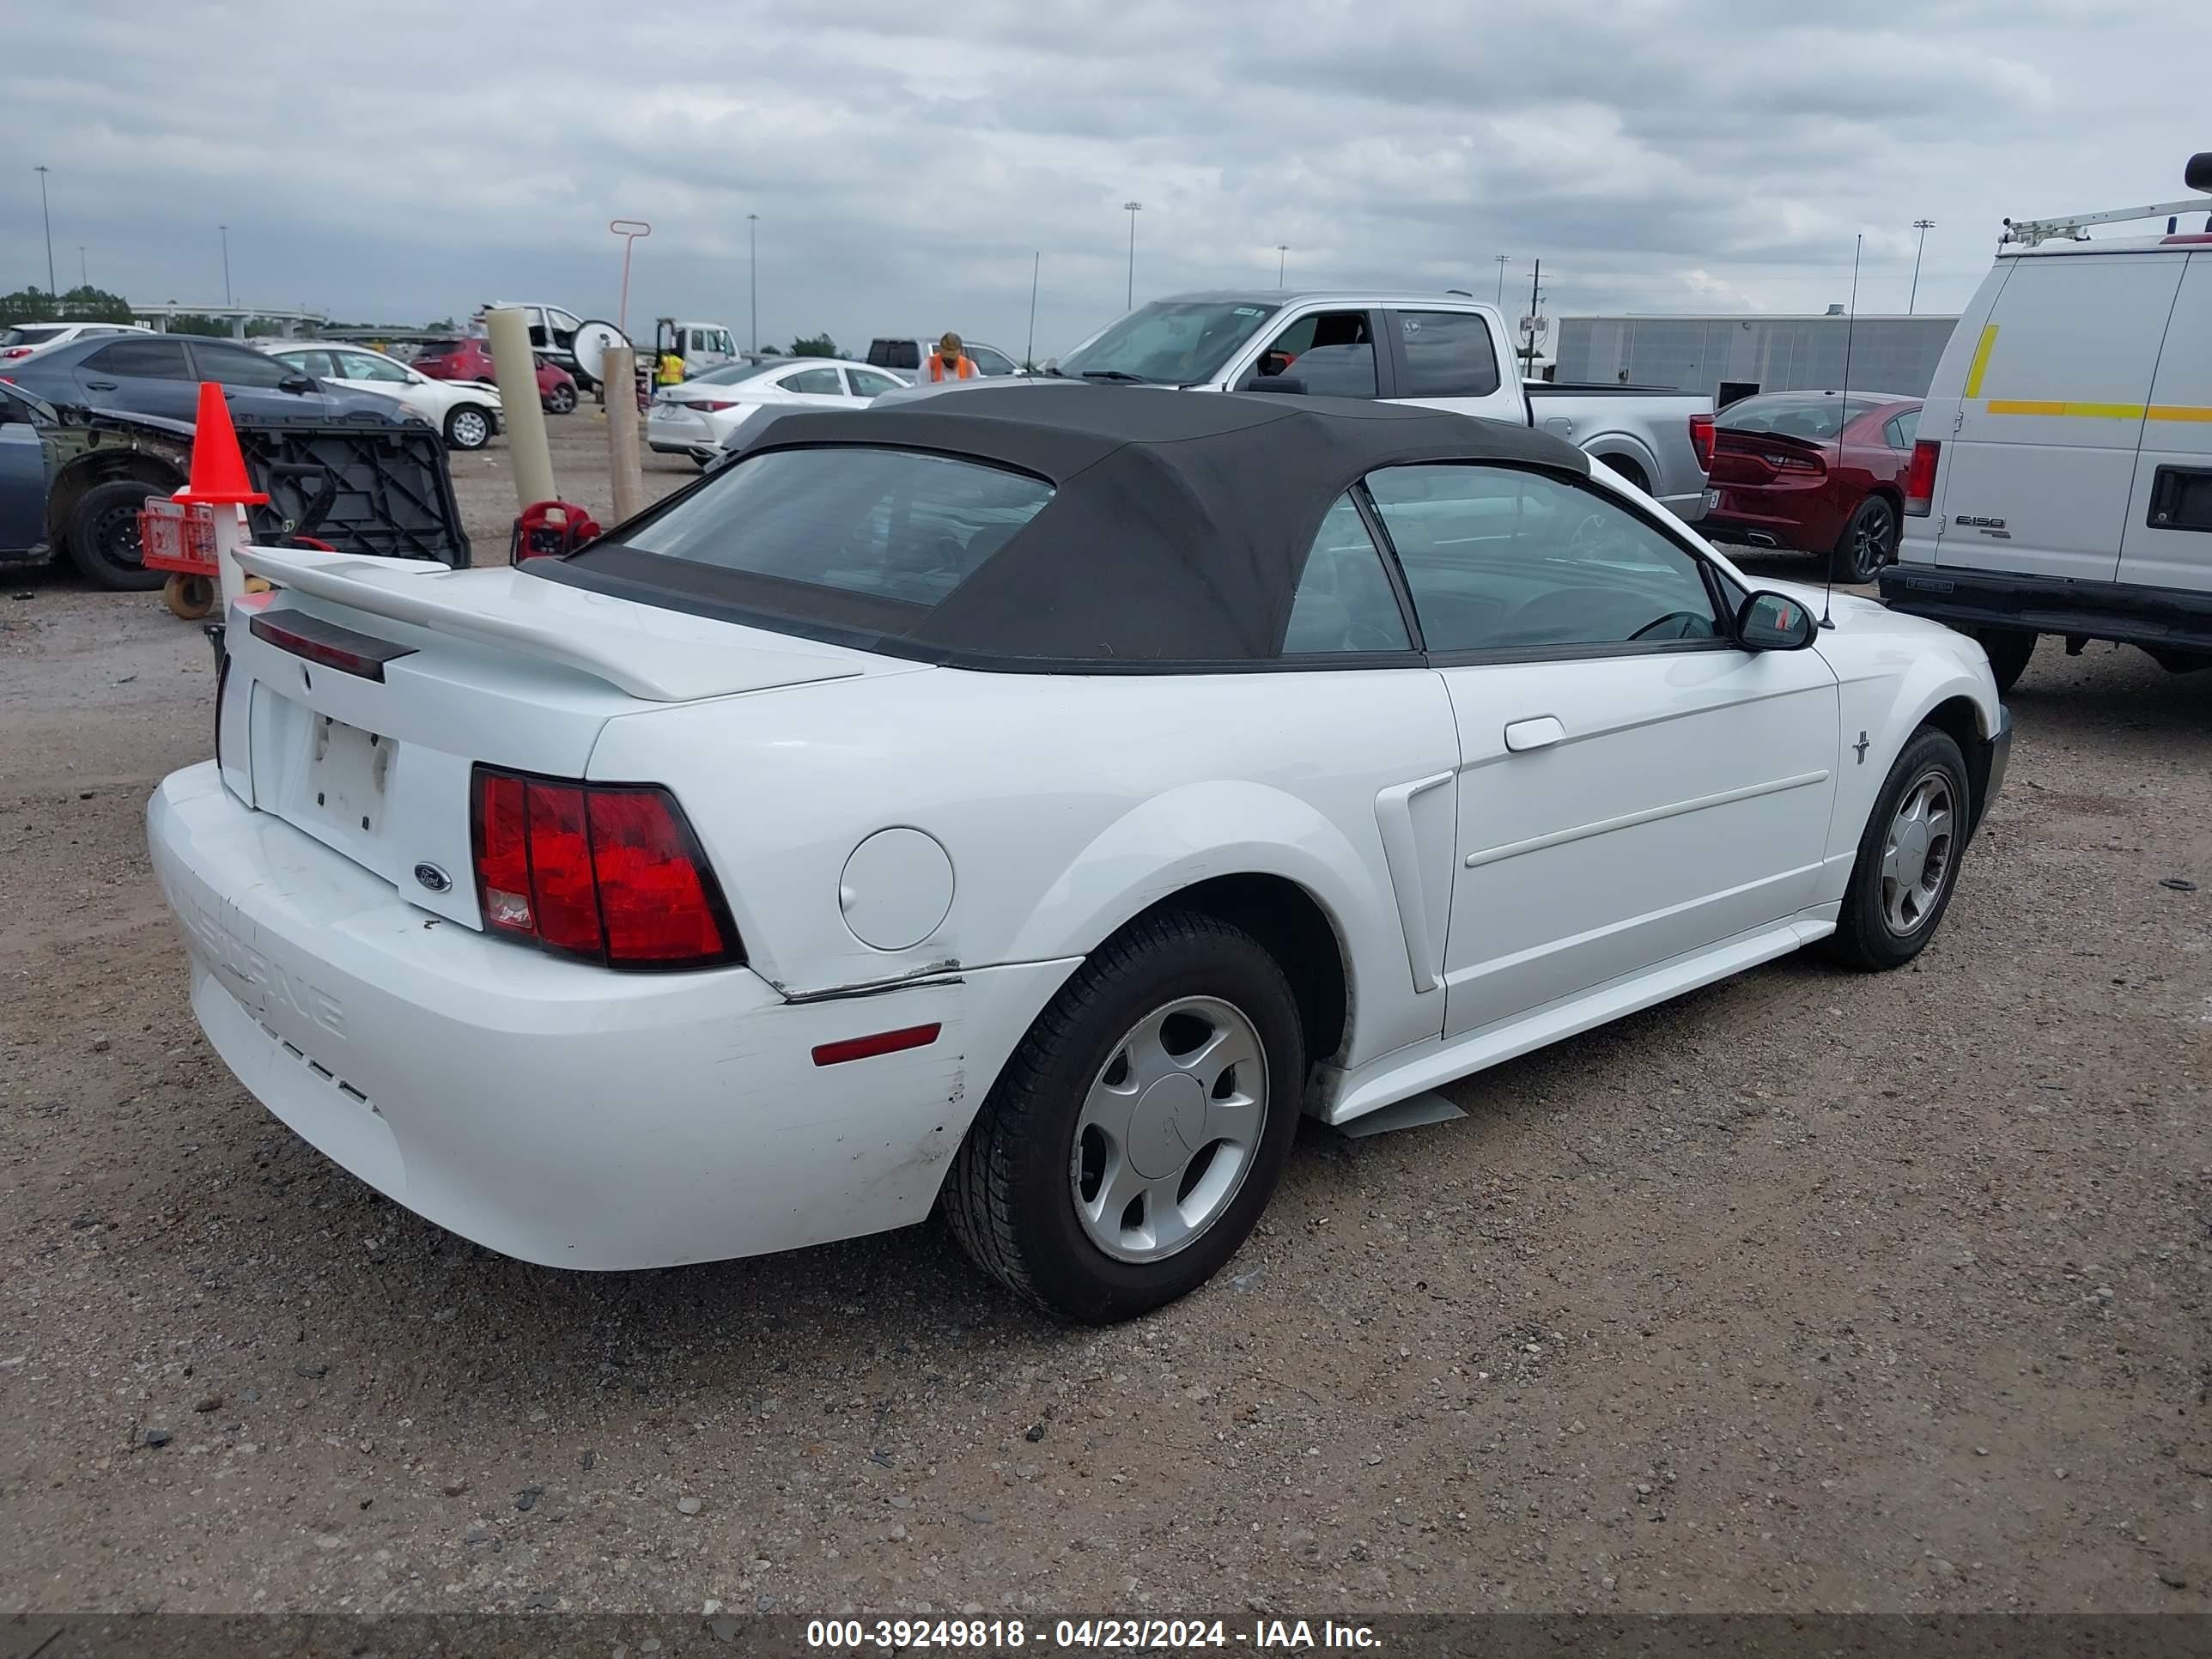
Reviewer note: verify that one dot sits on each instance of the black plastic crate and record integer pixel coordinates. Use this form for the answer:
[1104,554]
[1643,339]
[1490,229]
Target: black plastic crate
[383,489]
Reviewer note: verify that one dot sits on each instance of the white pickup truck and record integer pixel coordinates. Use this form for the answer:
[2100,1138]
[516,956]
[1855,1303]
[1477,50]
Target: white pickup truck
[1440,351]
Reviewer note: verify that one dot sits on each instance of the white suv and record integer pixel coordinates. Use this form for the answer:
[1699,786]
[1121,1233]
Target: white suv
[25,338]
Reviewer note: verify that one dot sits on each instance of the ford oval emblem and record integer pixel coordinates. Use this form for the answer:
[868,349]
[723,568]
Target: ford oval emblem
[433,878]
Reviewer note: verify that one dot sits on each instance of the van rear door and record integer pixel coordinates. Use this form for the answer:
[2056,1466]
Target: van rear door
[2168,538]
[2036,477]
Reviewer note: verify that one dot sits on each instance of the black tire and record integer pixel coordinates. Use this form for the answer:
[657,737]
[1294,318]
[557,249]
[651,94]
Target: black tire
[561,400]
[103,536]
[1865,937]
[1869,542]
[468,426]
[2009,648]
[1009,1197]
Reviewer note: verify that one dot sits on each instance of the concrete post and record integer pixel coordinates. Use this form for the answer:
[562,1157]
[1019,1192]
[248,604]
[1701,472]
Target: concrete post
[628,469]
[528,453]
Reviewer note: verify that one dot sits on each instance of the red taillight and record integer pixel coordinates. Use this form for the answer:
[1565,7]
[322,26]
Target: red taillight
[503,853]
[1701,440]
[14,352]
[609,871]
[563,900]
[711,408]
[1920,478]
[652,893]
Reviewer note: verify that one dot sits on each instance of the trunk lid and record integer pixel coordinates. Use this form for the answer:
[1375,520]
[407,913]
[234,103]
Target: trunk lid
[360,694]
[1748,459]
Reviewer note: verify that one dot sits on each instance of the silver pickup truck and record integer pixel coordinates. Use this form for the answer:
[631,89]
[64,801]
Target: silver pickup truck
[1440,351]
[1659,441]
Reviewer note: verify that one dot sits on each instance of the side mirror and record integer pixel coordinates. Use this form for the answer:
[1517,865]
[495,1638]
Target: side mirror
[1281,383]
[1774,622]
[298,384]
[1267,374]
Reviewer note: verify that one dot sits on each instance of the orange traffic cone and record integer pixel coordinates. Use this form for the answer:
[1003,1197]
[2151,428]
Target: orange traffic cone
[218,467]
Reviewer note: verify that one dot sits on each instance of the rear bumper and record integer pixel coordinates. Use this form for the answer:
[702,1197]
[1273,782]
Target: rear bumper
[682,434]
[551,1110]
[1688,508]
[2156,618]
[1792,520]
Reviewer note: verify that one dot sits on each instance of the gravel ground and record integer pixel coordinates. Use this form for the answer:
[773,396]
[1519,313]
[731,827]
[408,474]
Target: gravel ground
[1808,1291]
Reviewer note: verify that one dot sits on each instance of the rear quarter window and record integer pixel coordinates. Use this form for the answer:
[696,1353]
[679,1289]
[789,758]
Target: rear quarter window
[1445,354]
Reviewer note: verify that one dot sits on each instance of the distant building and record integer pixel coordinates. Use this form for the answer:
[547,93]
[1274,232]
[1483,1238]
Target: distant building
[1735,356]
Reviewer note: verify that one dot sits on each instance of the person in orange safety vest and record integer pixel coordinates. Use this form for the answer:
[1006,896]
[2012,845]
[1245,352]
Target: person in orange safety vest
[949,362]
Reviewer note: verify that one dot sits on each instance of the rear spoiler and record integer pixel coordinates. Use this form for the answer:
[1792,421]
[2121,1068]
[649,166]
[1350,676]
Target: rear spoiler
[656,655]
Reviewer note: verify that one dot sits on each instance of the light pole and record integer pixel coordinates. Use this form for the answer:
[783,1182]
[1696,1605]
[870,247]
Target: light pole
[752,276]
[1132,209]
[48,217]
[1282,255]
[225,229]
[1503,260]
[1923,226]
[83,279]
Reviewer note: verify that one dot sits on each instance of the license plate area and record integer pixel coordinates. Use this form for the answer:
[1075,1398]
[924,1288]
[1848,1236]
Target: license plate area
[1712,500]
[348,775]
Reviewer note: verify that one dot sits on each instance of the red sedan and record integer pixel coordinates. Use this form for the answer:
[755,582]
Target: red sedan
[470,359]
[1801,470]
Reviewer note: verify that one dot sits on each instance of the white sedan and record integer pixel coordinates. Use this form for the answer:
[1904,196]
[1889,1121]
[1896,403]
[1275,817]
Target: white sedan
[469,413]
[1028,814]
[697,417]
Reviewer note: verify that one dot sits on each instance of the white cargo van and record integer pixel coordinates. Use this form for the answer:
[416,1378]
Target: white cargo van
[2061,479]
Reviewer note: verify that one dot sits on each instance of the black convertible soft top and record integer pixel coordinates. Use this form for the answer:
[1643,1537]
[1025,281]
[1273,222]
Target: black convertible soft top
[1179,523]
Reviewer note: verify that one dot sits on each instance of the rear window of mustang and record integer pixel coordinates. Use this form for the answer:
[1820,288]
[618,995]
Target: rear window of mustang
[844,538]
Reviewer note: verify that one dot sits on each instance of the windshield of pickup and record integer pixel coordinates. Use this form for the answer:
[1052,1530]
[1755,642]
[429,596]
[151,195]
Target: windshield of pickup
[1169,342]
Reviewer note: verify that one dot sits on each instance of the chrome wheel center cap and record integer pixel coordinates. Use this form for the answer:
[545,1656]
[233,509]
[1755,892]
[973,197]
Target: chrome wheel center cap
[1166,1126]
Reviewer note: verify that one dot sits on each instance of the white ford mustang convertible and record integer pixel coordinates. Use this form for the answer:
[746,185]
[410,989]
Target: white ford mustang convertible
[1028,808]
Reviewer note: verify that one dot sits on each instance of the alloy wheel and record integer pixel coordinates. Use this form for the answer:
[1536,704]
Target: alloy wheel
[1871,539]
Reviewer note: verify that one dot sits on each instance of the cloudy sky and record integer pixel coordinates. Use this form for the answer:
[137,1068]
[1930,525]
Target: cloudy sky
[407,159]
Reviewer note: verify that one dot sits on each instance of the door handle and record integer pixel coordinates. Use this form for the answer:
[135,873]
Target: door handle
[1539,732]
[100,385]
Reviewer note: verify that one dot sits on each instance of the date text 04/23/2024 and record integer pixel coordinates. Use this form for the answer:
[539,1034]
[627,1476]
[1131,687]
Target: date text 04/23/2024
[1089,1635]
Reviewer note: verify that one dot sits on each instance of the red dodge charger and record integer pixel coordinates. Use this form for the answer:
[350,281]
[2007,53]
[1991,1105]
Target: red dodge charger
[1806,471]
